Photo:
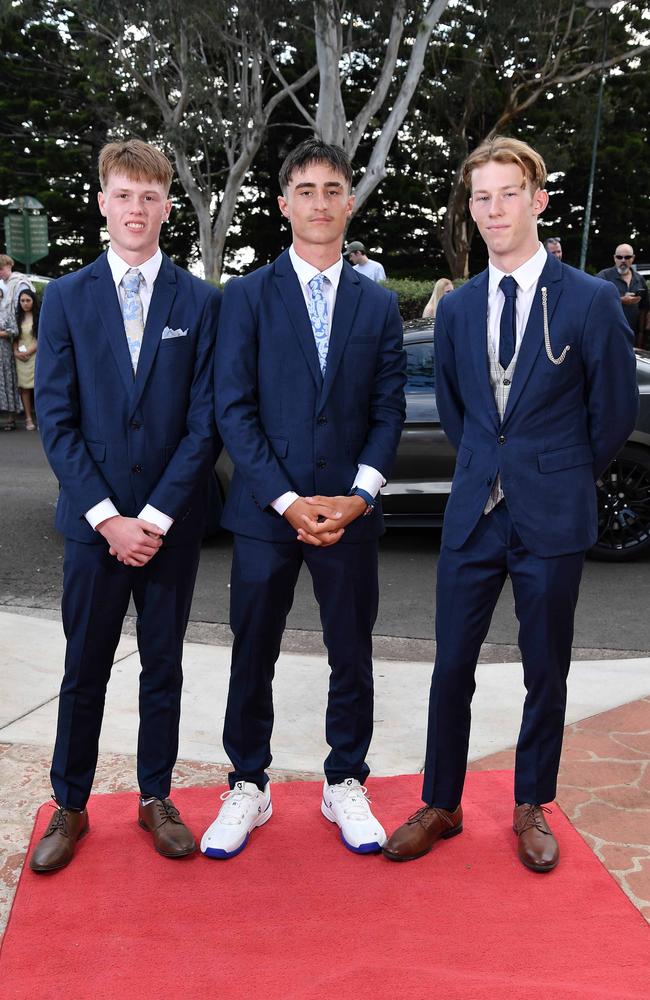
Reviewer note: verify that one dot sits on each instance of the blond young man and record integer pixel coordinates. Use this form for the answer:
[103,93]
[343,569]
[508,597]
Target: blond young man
[536,389]
[125,403]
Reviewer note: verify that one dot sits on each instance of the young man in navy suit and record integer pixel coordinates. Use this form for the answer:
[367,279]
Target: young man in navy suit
[309,389]
[125,404]
[536,389]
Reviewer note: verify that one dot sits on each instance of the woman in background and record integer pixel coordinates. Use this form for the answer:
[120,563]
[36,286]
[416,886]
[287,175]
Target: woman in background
[25,352]
[441,287]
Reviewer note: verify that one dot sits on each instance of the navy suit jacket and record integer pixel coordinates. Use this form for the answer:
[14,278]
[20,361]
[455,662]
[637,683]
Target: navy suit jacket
[148,439]
[563,423]
[283,424]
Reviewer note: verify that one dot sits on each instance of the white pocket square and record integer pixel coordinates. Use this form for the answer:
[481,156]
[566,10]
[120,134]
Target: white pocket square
[168,333]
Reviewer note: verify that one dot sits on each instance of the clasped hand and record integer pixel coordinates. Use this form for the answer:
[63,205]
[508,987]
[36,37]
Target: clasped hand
[321,521]
[131,540]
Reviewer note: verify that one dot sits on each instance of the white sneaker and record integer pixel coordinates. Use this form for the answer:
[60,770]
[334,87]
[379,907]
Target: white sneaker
[244,807]
[346,805]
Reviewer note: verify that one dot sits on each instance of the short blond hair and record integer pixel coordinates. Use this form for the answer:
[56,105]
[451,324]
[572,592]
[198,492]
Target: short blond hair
[6,259]
[506,150]
[137,160]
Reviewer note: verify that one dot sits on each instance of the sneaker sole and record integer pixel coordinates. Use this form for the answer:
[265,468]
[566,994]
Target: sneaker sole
[371,848]
[220,854]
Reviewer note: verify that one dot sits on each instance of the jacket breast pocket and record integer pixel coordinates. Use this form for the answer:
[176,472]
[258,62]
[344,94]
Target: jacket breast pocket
[571,457]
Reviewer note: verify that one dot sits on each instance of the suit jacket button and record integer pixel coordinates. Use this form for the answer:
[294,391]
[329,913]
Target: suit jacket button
[321,463]
[506,381]
[501,439]
[488,482]
[321,420]
[135,425]
[136,468]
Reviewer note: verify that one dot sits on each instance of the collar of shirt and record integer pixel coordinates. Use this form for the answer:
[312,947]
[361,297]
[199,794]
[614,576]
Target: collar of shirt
[306,271]
[148,269]
[526,275]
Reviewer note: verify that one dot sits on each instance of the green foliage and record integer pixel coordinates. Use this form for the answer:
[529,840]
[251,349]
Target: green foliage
[412,295]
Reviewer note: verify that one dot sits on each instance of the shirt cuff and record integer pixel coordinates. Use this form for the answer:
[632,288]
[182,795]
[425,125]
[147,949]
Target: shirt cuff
[369,479]
[284,502]
[162,521]
[101,512]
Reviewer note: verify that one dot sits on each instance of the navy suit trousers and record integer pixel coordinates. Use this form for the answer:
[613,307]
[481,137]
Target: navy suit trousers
[470,580]
[263,580]
[96,594]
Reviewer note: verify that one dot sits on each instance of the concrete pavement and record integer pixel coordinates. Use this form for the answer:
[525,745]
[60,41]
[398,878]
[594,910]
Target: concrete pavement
[32,660]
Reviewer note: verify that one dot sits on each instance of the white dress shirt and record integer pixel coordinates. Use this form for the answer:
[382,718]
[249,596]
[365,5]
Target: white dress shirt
[149,271]
[526,276]
[367,478]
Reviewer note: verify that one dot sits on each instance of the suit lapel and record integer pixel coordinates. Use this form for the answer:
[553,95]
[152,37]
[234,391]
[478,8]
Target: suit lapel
[347,301]
[110,317]
[477,308]
[288,286]
[551,279]
[164,293]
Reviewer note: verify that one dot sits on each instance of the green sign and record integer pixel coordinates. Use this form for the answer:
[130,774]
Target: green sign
[26,237]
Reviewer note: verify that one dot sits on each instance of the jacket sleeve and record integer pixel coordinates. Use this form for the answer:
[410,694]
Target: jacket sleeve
[387,404]
[197,450]
[236,407]
[612,393]
[57,404]
[448,398]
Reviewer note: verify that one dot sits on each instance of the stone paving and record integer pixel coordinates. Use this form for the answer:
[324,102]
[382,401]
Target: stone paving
[604,789]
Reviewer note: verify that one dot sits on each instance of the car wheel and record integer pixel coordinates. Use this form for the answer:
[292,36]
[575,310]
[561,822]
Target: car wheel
[624,506]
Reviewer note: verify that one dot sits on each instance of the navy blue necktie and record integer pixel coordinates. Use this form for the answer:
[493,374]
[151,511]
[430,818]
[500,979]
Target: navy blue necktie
[507,329]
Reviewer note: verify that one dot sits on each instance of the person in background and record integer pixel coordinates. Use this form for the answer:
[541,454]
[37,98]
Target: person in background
[356,254]
[25,352]
[12,283]
[443,286]
[632,290]
[553,246]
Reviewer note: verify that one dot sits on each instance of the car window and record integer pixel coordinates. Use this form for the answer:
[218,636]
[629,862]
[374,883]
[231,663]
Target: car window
[419,367]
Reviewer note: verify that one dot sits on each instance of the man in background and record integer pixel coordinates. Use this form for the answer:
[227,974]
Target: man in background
[632,290]
[356,254]
[553,246]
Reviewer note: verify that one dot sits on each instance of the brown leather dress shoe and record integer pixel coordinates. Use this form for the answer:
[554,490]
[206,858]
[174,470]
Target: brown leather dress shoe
[161,818]
[536,845]
[420,832]
[56,847]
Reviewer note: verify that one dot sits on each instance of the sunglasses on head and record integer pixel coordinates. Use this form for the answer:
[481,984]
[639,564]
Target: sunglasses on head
[623,256]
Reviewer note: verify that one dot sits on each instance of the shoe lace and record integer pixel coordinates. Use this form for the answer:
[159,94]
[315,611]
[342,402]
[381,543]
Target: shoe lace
[533,817]
[236,803]
[59,821]
[167,811]
[354,799]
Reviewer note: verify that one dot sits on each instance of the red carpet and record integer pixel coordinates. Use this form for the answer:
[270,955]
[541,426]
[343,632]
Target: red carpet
[298,917]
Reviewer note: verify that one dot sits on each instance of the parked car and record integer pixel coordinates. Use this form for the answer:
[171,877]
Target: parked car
[417,492]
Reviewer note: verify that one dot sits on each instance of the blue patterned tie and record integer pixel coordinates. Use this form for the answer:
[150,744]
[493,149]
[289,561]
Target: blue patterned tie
[132,313]
[318,314]
[507,341]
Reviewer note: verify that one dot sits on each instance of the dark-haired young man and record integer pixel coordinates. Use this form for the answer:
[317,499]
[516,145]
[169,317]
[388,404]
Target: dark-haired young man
[309,389]
[125,405]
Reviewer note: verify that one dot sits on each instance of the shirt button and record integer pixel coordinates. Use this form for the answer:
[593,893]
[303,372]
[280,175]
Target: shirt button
[136,468]
[501,439]
[321,463]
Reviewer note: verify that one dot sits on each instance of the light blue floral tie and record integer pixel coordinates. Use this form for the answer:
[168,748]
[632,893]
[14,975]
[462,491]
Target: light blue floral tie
[132,313]
[318,314]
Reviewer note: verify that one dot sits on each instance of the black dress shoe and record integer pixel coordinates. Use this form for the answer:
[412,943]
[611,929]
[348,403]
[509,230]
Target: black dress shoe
[420,832]
[56,847]
[536,845]
[171,838]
